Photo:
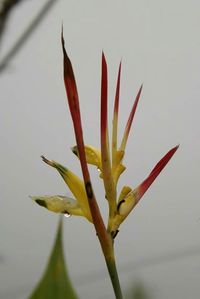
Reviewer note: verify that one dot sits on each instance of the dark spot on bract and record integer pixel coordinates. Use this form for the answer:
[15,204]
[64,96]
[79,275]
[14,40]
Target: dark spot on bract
[89,191]
[114,233]
[41,202]
[119,204]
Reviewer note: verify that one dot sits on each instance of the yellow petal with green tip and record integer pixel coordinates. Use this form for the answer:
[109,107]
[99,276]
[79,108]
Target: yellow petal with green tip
[93,155]
[59,204]
[75,184]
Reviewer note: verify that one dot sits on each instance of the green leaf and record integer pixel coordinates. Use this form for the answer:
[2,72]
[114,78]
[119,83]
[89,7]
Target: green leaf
[55,283]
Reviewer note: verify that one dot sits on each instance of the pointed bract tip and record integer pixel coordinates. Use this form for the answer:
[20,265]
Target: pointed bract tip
[47,161]
[174,149]
[120,68]
[103,58]
[156,171]
[140,90]
[43,158]
[63,44]
[62,37]
[41,202]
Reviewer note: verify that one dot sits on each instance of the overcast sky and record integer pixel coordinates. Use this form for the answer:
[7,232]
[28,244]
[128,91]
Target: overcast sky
[159,44]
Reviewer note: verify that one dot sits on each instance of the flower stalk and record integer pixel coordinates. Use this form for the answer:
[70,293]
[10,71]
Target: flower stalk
[108,161]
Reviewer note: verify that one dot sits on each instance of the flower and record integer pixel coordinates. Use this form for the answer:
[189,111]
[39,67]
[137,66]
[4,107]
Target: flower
[108,160]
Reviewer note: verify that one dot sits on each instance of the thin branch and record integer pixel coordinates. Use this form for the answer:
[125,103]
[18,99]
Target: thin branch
[6,7]
[26,34]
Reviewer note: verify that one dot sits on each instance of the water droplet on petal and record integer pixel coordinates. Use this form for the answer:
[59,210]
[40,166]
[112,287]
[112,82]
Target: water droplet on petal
[67,215]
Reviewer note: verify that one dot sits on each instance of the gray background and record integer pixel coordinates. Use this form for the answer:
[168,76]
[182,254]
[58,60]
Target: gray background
[159,43]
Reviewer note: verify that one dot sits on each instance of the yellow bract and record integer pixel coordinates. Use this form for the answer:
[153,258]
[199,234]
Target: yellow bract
[127,200]
[128,203]
[75,185]
[59,204]
[124,192]
[93,155]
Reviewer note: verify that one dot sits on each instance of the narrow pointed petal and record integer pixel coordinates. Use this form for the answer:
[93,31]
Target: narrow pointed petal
[155,172]
[74,183]
[130,120]
[104,100]
[59,204]
[135,195]
[115,118]
[93,155]
[105,154]
[73,101]
[71,89]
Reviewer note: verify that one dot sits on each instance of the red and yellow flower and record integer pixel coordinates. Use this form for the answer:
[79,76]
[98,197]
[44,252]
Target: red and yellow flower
[108,160]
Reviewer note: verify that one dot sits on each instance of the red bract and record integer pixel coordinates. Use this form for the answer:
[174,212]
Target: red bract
[156,171]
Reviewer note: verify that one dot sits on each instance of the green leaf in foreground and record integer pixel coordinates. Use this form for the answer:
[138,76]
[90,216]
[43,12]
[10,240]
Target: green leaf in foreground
[55,283]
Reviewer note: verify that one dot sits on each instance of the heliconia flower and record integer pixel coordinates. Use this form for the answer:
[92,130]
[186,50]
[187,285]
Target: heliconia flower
[108,160]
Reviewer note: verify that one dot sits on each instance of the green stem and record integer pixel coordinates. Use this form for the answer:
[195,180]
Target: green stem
[112,269]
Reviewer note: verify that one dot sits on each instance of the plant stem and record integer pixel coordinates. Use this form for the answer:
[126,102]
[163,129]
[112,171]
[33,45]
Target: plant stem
[106,242]
[112,269]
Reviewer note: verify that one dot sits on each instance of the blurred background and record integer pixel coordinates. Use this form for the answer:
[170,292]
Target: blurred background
[158,247]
